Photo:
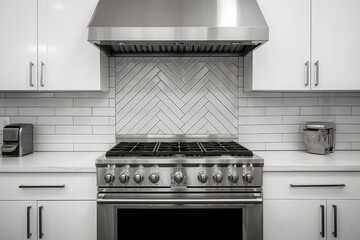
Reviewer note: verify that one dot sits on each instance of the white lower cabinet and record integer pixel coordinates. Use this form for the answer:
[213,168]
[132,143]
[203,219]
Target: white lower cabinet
[293,219]
[48,206]
[311,205]
[18,220]
[71,220]
[347,215]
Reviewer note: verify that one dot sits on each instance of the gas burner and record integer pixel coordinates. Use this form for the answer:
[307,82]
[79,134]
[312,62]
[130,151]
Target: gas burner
[184,148]
[133,149]
[225,148]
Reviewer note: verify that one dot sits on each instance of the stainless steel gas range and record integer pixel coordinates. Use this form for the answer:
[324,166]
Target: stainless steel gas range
[179,190]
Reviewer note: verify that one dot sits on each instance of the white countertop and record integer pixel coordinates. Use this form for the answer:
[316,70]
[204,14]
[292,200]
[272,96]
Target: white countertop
[51,162]
[274,161]
[304,161]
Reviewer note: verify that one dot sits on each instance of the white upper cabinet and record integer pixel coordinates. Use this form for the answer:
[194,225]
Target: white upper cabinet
[67,61]
[18,47]
[336,44]
[283,62]
[295,60]
[44,47]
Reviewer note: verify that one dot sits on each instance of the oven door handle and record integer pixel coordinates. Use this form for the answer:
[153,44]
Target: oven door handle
[181,201]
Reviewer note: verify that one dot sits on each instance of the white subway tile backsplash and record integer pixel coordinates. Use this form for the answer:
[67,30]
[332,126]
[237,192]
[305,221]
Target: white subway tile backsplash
[23,120]
[29,95]
[326,101]
[263,102]
[54,102]
[349,137]
[348,119]
[44,111]
[2,111]
[91,147]
[285,146]
[89,102]
[340,128]
[12,112]
[253,138]
[42,130]
[254,146]
[251,111]
[298,137]
[268,129]
[47,139]
[355,111]
[17,102]
[55,121]
[304,119]
[76,130]
[265,120]
[352,101]
[282,111]
[104,112]
[73,111]
[91,121]
[44,147]
[104,130]
[300,102]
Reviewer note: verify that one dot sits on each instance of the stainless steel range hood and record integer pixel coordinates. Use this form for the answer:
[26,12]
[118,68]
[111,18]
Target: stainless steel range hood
[177,27]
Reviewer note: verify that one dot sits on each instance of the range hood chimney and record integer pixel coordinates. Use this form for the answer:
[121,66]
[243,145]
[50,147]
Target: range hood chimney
[177,27]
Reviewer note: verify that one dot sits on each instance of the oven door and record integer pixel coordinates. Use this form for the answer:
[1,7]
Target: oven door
[179,216]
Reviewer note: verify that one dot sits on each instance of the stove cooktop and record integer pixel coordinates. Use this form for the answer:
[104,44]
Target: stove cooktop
[143,149]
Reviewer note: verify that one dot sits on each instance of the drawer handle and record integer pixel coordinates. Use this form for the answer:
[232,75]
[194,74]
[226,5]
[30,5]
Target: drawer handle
[341,185]
[42,186]
[322,232]
[335,231]
[41,234]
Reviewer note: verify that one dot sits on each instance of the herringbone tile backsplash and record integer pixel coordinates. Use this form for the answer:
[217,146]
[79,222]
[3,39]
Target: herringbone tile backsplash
[191,95]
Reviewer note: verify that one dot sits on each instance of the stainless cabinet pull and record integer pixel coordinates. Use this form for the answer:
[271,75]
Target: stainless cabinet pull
[322,232]
[335,232]
[28,233]
[317,73]
[31,65]
[317,185]
[41,234]
[42,186]
[307,72]
[42,74]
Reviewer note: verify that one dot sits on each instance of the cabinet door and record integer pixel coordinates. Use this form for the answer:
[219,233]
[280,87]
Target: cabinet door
[335,44]
[347,219]
[18,220]
[67,61]
[280,64]
[293,219]
[18,24]
[71,220]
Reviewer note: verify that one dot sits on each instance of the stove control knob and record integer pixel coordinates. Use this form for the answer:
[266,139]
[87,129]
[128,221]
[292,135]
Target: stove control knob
[138,177]
[124,177]
[233,177]
[218,177]
[178,177]
[248,177]
[154,177]
[109,178]
[202,177]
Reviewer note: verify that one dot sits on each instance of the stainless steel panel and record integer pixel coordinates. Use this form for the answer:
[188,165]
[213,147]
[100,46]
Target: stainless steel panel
[177,26]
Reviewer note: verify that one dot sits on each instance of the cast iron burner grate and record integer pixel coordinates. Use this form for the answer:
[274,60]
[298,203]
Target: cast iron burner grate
[184,148]
[225,148]
[133,149]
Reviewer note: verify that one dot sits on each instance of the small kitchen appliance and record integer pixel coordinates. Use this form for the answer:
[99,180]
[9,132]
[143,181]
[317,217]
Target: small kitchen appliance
[319,137]
[181,186]
[18,140]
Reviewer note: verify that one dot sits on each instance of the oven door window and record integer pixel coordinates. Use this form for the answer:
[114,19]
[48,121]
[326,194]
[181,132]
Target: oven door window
[180,224]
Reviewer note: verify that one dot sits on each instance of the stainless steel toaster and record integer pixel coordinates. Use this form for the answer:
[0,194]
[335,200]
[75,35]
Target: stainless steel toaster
[319,137]
[18,140]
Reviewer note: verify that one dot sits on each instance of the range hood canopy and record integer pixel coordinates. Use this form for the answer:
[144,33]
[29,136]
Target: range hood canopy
[173,27]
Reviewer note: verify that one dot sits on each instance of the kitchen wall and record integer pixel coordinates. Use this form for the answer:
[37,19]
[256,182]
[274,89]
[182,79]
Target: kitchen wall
[202,92]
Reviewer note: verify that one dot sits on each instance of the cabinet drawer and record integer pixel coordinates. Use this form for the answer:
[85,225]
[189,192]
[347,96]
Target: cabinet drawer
[47,186]
[277,185]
